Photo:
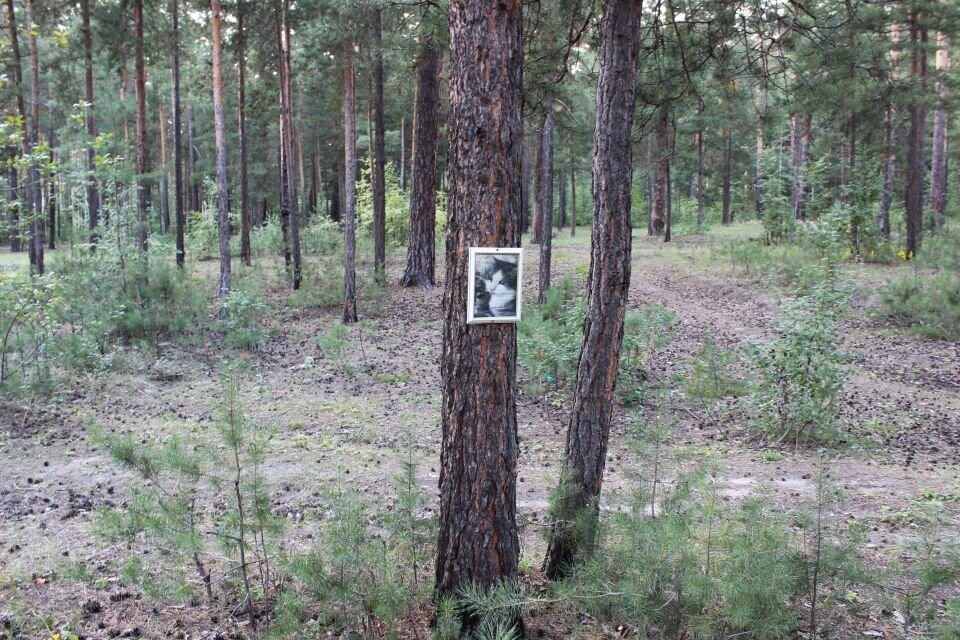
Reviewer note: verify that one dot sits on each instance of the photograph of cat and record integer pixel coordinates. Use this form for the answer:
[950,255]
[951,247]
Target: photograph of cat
[495,286]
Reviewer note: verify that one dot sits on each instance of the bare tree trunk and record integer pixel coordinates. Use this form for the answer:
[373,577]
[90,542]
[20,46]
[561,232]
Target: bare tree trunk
[16,235]
[761,108]
[726,216]
[421,245]
[33,174]
[178,139]
[140,89]
[525,179]
[350,188]
[403,152]
[938,179]
[379,159]
[593,400]
[478,542]
[699,178]
[561,199]
[164,193]
[913,193]
[661,181]
[192,158]
[242,131]
[90,121]
[544,200]
[220,134]
[573,199]
[889,140]
[289,216]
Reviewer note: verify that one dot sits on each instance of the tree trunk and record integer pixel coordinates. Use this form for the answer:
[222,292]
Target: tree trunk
[192,158]
[938,178]
[220,135]
[795,164]
[699,177]
[379,159]
[140,89]
[561,199]
[177,139]
[90,122]
[726,215]
[289,213]
[525,178]
[164,193]
[589,430]
[403,151]
[27,191]
[761,107]
[544,212]
[350,189]
[573,199]
[242,133]
[889,140]
[33,173]
[478,542]
[913,193]
[421,246]
[661,180]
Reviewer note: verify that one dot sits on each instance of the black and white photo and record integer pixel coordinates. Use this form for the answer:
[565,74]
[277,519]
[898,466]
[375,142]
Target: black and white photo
[494,283]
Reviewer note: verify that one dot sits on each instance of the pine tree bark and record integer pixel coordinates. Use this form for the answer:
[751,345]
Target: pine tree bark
[573,199]
[220,136]
[90,123]
[478,542]
[421,245]
[403,151]
[525,180]
[140,91]
[761,108]
[164,192]
[192,158]
[17,73]
[913,193]
[179,214]
[699,177]
[726,216]
[938,177]
[379,158]
[350,188]
[544,200]
[561,199]
[289,210]
[589,430]
[661,180]
[889,140]
[242,134]
[33,173]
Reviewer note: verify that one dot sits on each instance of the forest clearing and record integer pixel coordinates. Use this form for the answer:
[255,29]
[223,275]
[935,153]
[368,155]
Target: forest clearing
[483,320]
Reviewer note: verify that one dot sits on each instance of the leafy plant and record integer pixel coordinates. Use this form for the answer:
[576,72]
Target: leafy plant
[644,331]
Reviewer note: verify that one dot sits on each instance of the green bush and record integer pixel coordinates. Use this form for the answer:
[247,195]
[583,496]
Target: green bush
[800,371]
[711,376]
[241,326]
[550,336]
[644,332]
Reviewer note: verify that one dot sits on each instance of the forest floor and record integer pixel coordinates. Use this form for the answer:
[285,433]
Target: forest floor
[899,424]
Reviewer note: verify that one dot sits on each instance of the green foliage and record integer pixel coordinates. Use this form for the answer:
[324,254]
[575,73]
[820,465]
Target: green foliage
[29,308]
[241,328]
[800,371]
[777,216]
[644,331]
[711,376]
[550,336]
[397,208]
[335,345]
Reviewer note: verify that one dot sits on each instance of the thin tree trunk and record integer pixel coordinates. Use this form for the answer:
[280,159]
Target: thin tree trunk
[699,177]
[525,179]
[192,158]
[90,121]
[889,140]
[27,190]
[761,108]
[478,542]
[33,174]
[242,131]
[164,193]
[177,139]
[140,89]
[661,180]
[544,200]
[421,245]
[220,134]
[913,193]
[795,164]
[379,158]
[593,400]
[403,152]
[561,199]
[350,188]
[726,216]
[289,151]
[938,178]
[573,199]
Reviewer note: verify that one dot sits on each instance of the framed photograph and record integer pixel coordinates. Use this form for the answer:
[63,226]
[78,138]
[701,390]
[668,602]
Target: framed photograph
[494,284]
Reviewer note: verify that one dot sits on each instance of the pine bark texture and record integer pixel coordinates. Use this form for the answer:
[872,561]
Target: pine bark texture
[179,214]
[478,541]
[33,174]
[220,136]
[889,140]
[379,156]
[938,171]
[350,189]
[916,169]
[589,430]
[288,149]
[140,90]
[573,199]
[242,134]
[90,123]
[17,68]
[544,200]
[661,180]
[726,216]
[421,246]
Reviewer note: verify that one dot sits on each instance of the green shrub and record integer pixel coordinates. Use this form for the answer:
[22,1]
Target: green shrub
[644,332]
[550,336]
[930,306]
[241,327]
[800,370]
[711,376]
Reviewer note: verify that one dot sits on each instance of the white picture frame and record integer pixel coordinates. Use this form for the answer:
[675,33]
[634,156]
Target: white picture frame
[494,285]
